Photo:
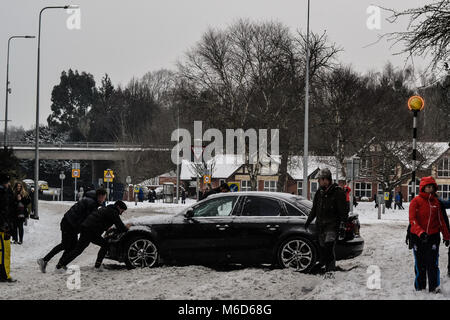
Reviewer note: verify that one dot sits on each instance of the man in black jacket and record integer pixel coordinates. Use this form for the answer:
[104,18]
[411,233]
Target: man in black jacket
[6,209]
[71,222]
[331,212]
[92,229]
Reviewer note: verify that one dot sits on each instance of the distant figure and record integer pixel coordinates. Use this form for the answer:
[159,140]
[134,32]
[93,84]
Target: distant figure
[183,196]
[375,199]
[80,193]
[141,195]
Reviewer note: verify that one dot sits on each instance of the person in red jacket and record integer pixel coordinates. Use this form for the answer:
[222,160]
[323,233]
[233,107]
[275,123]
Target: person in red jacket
[427,222]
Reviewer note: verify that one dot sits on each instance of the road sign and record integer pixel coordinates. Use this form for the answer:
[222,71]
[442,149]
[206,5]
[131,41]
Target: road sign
[234,186]
[108,175]
[386,196]
[75,165]
[206,178]
[62,176]
[128,180]
[76,173]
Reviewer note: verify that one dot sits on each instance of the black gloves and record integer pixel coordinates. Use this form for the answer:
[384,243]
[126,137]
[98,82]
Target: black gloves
[424,237]
[446,242]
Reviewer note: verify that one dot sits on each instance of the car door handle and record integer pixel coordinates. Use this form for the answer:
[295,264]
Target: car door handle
[272,227]
[222,227]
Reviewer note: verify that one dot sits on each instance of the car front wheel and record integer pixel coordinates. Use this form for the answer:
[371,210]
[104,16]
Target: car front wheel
[141,252]
[297,253]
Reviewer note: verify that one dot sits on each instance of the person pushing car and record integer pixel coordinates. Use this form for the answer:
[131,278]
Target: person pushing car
[92,229]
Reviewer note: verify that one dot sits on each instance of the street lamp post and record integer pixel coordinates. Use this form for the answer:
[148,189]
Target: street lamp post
[36,163]
[305,143]
[8,89]
[415,104]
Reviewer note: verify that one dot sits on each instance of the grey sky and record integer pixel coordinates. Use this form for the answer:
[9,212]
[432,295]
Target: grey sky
[130,38]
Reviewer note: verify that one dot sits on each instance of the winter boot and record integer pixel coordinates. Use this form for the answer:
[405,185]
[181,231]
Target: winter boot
[42,264]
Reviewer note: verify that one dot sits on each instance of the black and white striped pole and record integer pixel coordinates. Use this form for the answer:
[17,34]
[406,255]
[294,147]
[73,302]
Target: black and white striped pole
[415,104]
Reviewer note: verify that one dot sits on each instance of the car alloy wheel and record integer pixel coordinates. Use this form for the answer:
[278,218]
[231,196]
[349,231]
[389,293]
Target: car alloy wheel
[142,253]
[297,254]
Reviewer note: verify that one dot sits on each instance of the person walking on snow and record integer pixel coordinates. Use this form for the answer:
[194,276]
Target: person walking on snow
[427,222]
[92,229]
[331,211]
[6,210]
[71,222]
[20,214]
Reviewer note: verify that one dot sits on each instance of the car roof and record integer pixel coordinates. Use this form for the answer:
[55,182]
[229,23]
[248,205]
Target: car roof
[280,195]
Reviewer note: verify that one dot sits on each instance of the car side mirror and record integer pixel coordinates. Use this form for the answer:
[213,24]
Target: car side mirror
[189,214]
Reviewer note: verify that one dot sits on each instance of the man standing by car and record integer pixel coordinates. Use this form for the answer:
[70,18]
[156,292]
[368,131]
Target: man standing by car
[330,210]
[71,222]
[6,226]
[92,229]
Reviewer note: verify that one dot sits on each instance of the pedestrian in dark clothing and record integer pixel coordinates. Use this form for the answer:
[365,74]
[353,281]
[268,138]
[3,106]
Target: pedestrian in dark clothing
[92,229]
[20,213]
[183,196]
[71,222]
[445,204]
[389,201]
[32,201]
[375,199]
[427,221]
[222,188]
[141,195]
[330,211]
[6,210]
[401,200]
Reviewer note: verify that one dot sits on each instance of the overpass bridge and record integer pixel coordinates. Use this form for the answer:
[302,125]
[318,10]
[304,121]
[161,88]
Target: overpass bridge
[81,150]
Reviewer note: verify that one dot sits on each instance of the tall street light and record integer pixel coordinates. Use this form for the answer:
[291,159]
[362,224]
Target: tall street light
[36,164]
[305,143]
[8,89]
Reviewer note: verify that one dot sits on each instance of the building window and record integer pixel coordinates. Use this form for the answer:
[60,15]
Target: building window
[245,185]
[444,191]
[270,186]
[299,188]
[444,167]
[363,189]
[410,189]
[314,186]
[380,189]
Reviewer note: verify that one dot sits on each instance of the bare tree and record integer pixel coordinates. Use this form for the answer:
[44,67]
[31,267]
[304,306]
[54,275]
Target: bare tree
[428,31]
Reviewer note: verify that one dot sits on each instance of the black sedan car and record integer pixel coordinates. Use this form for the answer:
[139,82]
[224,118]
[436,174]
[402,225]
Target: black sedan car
[248,228]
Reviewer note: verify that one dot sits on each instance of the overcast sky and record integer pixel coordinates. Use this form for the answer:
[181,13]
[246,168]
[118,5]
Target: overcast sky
[129,38]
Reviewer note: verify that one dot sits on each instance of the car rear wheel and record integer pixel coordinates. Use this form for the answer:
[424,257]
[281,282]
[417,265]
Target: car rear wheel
[141,252]
[297,253]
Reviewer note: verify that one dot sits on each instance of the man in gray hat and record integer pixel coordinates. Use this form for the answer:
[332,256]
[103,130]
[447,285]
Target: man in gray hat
[331,212]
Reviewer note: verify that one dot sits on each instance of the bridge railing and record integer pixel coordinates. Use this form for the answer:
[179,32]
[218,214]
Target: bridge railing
[84,145]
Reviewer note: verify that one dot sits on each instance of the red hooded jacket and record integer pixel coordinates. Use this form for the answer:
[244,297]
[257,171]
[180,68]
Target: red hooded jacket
[425,214]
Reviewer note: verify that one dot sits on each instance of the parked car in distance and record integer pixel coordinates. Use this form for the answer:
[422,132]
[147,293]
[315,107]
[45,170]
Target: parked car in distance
[249,228]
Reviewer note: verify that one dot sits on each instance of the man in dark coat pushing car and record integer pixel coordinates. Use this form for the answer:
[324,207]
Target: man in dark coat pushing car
[331,212]
[92,229]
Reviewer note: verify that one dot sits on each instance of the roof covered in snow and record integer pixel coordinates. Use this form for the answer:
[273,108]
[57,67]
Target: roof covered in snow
[295,165]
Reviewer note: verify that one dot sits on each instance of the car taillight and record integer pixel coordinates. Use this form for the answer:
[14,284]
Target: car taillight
[352,226]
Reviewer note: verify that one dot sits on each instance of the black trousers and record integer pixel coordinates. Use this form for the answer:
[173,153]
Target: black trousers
[426,256]
[69,238]
[17,230]
[86,237]
[327,246]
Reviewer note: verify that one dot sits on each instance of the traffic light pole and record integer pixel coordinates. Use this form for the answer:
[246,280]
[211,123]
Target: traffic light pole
[414,155]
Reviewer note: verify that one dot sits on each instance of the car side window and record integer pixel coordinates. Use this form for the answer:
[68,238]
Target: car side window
[215,207]
[293,211]
[262,207]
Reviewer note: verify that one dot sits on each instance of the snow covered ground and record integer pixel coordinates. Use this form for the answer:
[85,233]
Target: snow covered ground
[384,248]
